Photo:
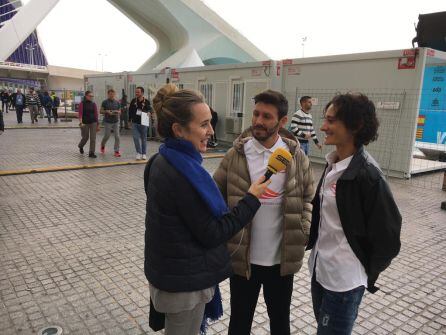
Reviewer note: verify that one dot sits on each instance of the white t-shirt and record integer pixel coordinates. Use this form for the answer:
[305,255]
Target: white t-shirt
[337,267]
[267,224]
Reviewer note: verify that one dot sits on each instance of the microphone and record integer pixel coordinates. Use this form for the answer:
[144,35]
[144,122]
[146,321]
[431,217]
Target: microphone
[278,162]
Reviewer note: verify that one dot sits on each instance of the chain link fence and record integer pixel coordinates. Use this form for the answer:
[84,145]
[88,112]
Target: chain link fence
[401,149]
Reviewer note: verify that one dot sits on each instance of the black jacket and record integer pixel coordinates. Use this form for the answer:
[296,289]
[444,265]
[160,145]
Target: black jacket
[369,215]
[135,104]
[185,246]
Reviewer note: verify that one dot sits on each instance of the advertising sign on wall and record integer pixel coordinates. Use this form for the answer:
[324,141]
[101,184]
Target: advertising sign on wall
[432,117]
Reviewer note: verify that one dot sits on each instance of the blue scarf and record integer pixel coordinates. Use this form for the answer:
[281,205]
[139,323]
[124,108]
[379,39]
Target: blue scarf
[183,156]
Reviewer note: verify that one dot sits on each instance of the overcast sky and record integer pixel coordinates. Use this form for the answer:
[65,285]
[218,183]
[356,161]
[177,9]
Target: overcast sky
[77,31]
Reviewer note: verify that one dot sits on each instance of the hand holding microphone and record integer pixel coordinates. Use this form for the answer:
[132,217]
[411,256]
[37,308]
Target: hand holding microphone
[278,162]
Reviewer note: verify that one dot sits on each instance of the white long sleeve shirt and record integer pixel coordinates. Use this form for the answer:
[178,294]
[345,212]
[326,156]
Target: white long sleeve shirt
[336,265]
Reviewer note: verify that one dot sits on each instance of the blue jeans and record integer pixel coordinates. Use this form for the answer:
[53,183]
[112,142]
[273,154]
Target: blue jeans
[305,146]
[139,138]
[335,312]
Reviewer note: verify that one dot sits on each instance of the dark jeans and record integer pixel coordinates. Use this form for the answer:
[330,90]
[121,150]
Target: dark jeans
[335,312]
[48,113]
[5,106]
[277,292]
[55,115]
[305,146]
[2,124]
[124,118]
[19,112]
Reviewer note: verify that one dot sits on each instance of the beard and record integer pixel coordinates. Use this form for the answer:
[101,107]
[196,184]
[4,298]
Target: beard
[266,134]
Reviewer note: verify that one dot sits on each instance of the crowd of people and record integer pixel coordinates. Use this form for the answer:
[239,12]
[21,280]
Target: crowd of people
[36,102]
[136,115]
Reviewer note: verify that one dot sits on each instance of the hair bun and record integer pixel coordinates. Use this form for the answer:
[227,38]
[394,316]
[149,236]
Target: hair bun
[162,95]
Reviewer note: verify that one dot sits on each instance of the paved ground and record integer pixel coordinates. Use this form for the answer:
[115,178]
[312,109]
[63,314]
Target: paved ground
[10,120]
[53,147]
[71,253]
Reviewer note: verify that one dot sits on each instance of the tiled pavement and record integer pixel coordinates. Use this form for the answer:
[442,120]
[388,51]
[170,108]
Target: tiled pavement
[71,254]
[44,148]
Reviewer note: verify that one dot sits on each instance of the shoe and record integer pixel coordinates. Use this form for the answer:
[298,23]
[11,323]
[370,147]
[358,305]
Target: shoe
[144,157]
[92,155]
[138,157]
[81,150]
[102,150]
[117,154]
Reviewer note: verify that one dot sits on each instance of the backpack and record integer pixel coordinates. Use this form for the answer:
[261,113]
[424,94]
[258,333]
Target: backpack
[19,100]
[56,101]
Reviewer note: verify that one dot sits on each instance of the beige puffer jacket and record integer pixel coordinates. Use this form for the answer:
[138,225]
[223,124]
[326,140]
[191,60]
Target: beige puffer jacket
[233,179]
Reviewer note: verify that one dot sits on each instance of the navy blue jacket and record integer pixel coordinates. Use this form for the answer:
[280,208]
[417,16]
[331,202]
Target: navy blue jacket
[185,246]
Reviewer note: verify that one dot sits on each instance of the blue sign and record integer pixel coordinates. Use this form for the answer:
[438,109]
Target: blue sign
[432,115]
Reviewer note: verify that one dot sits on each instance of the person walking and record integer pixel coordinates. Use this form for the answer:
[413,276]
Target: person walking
[111,109]
[33,103]
[187,220]
[19,105]
[12,100]
[302,125]
[2,123]
[124,117]
[356,224]
[56,104]
[4,96]
[138,106]
[269,251]
[88,123]
[47,104]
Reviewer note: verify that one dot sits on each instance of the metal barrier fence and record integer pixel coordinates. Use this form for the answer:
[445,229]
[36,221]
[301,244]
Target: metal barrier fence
[401,149]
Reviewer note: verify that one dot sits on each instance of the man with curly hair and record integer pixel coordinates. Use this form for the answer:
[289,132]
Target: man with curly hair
[355,228]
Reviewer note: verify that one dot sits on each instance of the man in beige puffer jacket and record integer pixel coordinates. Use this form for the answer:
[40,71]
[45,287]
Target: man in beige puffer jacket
[270,250]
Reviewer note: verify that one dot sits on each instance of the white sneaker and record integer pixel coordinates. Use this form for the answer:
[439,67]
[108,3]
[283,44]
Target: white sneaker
[138,157]
[144,157]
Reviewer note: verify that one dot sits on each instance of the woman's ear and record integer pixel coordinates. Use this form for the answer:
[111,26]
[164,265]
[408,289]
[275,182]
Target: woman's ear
[177,130]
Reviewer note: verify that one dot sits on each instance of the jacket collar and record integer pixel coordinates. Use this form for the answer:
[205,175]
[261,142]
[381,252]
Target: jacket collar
[360,158]
[286,135]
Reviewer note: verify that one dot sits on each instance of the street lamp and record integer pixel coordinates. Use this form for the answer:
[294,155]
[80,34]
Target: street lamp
[304,39]
[102,61]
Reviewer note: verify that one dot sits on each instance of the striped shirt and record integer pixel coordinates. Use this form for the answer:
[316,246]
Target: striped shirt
[32,99]
[302,124]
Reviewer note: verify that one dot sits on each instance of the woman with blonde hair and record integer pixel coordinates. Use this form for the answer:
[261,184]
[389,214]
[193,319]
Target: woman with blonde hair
[187,221]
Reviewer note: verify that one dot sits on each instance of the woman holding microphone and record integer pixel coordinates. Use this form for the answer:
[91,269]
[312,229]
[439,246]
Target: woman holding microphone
[187,221]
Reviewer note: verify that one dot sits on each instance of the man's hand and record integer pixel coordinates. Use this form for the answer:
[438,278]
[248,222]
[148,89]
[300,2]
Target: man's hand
[319,146]
[307,136]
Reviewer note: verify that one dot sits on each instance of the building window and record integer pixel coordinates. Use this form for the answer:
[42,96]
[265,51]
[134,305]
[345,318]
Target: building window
[237,99]
[206,90]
